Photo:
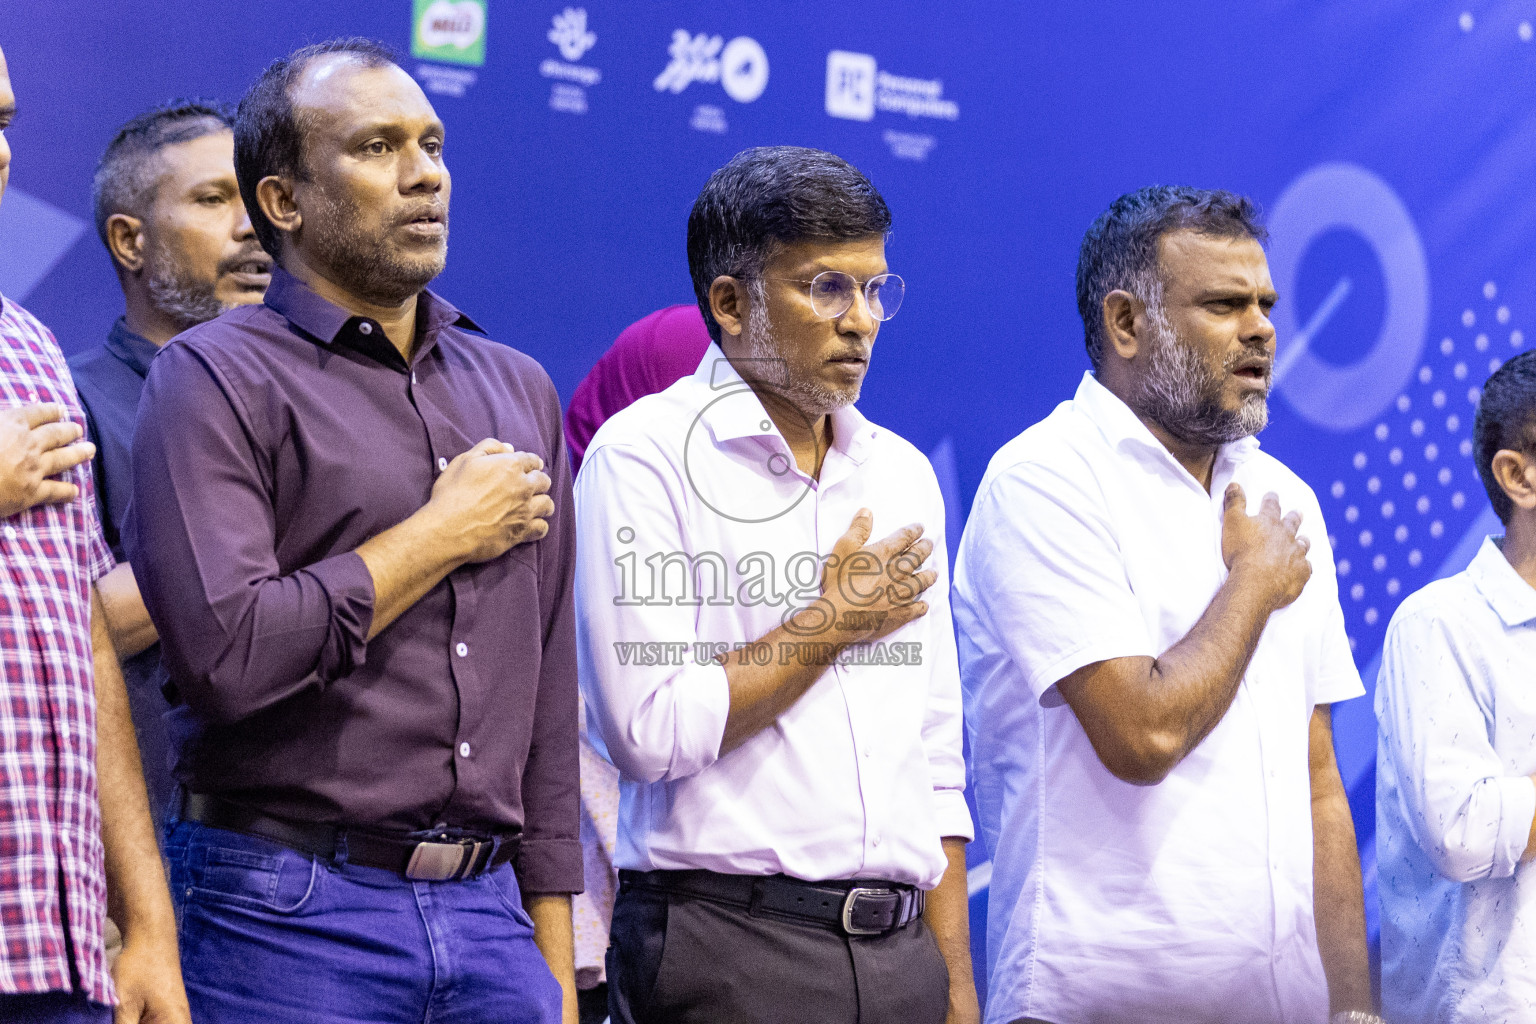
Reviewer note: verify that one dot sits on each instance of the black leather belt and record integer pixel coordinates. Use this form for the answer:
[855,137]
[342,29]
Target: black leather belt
[853,907]
[435,856]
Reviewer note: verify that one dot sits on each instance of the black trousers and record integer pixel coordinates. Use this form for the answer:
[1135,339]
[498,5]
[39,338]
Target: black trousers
[675,959]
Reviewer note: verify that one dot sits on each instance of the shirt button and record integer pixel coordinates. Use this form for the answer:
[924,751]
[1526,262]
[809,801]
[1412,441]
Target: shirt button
[365,328]
[463,749]
[413,378]
[866,753]
[462,650]
[10,532]
[442,463]
[876,841]
[46,625]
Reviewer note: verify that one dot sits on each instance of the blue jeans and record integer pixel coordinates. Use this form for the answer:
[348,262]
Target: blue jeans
[53,1008]
[272,936]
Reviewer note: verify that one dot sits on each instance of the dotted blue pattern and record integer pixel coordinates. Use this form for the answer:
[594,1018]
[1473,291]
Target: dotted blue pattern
[1410,490]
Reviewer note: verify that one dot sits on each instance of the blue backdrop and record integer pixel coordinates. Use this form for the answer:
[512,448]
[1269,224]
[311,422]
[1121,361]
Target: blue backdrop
[1392,144]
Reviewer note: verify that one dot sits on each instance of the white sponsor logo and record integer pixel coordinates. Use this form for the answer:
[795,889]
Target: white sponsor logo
[569,31]
[571,34]
[445,81]
[452,24]
[740,66]
[568,99]
[708,118]
[909,145]
[851,85]
[743,69]
[856,88]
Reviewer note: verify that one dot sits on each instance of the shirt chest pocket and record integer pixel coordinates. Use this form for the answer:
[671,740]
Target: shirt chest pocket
[1174,573]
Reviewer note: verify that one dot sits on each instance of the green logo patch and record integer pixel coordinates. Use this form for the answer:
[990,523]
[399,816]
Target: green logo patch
[449,30]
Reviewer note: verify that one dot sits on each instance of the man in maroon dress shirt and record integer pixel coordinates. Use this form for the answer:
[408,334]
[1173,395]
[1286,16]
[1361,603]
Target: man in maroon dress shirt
[352,526]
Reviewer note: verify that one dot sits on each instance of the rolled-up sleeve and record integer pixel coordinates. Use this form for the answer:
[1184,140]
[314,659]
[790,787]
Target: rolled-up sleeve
[237,634]
[550,859]
[943,722]
[655,722]
[1469,815]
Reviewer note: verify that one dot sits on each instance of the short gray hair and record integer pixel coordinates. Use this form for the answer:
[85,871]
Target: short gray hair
[1119,252]
[125,173]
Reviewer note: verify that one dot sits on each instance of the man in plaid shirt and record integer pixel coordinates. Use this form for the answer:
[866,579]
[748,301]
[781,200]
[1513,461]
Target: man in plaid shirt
[75,832]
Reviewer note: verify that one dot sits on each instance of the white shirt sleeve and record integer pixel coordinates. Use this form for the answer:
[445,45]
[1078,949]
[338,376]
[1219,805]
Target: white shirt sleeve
[657,720]
[1332,673]
[1046,570]
[1470,817]
[943,723]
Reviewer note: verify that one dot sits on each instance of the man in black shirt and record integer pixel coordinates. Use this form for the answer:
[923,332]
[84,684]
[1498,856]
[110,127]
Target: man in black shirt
[168,210]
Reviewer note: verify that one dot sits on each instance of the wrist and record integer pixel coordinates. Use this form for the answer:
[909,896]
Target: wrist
[1252,580]
[432,530]
[828,621]
[147,927]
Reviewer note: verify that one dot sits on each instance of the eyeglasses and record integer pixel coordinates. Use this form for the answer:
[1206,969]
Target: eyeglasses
[832,293]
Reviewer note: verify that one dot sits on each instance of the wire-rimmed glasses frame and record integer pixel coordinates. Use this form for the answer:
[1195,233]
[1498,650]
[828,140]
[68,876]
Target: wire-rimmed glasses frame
[832,293]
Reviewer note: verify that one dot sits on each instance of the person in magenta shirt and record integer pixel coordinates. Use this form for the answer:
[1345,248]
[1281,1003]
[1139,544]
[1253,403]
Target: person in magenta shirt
[649,355]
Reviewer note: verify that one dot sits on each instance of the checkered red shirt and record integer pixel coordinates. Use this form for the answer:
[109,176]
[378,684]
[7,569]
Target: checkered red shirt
[50,820]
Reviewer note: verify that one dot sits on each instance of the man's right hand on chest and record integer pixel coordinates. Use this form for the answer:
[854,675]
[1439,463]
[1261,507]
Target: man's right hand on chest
[1264,548]
[37,445]
[491,499]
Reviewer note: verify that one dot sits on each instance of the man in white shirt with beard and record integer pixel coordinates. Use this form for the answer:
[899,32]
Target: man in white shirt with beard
[1150,640]
[779,691]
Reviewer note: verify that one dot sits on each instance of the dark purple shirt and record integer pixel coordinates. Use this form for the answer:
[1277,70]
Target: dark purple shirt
[272,442]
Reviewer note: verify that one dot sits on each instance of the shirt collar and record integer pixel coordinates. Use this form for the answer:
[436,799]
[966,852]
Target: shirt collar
[1123,428]
[132,348]
[329,324]
[1501,586]
[733,420]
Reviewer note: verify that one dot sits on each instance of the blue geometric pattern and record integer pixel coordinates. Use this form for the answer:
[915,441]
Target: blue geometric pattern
[34,236]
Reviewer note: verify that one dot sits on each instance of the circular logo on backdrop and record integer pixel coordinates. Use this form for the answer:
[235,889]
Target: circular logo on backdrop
[1332,197]
[743,69]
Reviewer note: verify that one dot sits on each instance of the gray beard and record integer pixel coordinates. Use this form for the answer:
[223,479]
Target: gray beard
[811,397]
[1180,393]
[185,301]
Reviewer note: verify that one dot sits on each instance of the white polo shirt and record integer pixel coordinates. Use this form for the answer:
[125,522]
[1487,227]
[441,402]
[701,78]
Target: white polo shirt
[1457,707]
[863,776]
[1186,901]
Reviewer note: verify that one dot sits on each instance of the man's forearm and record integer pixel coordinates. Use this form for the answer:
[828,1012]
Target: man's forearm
[1144,715]
[554,934]
[148,969]
[1337,896]
[947,914]
[406,561]
[136,889]
[761,693]
[127,619]
[1193,684]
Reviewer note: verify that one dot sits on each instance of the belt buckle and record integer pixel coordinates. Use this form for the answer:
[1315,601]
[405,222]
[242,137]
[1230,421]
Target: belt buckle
[442,862]
[853,896]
